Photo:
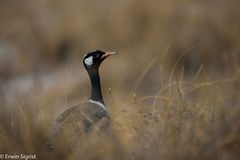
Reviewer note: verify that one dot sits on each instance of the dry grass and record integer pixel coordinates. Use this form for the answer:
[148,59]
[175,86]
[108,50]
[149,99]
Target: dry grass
[174,87]
[184,120]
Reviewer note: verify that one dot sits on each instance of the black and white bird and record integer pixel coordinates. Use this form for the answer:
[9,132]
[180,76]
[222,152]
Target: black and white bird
[84,117]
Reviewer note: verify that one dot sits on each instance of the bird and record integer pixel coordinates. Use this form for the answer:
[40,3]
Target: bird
[83,118]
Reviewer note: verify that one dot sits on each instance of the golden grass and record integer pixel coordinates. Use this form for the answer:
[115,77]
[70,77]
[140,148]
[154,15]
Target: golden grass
[167,99]
[184,120]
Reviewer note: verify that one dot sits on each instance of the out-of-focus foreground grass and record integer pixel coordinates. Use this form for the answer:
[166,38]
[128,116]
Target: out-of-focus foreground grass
[173,90]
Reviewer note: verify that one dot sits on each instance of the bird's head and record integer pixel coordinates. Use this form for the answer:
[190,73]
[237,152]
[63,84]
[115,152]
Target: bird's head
[93,59]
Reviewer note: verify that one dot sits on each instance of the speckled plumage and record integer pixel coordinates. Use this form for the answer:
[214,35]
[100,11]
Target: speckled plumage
[78,120]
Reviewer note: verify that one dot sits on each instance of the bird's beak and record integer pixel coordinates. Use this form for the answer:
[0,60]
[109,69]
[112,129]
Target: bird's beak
[107,54]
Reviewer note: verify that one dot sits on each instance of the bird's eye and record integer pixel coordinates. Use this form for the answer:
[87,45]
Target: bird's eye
[95,55]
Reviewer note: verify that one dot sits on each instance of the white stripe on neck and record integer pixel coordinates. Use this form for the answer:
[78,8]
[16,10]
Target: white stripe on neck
[99,104]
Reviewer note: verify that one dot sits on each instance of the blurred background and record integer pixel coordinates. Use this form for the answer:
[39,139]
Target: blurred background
[42,44]
[43,36]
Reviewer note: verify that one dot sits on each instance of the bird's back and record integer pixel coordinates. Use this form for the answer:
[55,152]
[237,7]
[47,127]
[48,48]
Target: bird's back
[76,121]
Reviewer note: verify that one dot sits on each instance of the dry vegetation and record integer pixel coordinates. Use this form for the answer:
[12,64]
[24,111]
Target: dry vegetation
[175,84]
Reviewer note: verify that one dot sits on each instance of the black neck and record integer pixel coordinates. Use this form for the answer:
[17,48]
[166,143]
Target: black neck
[96,94]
